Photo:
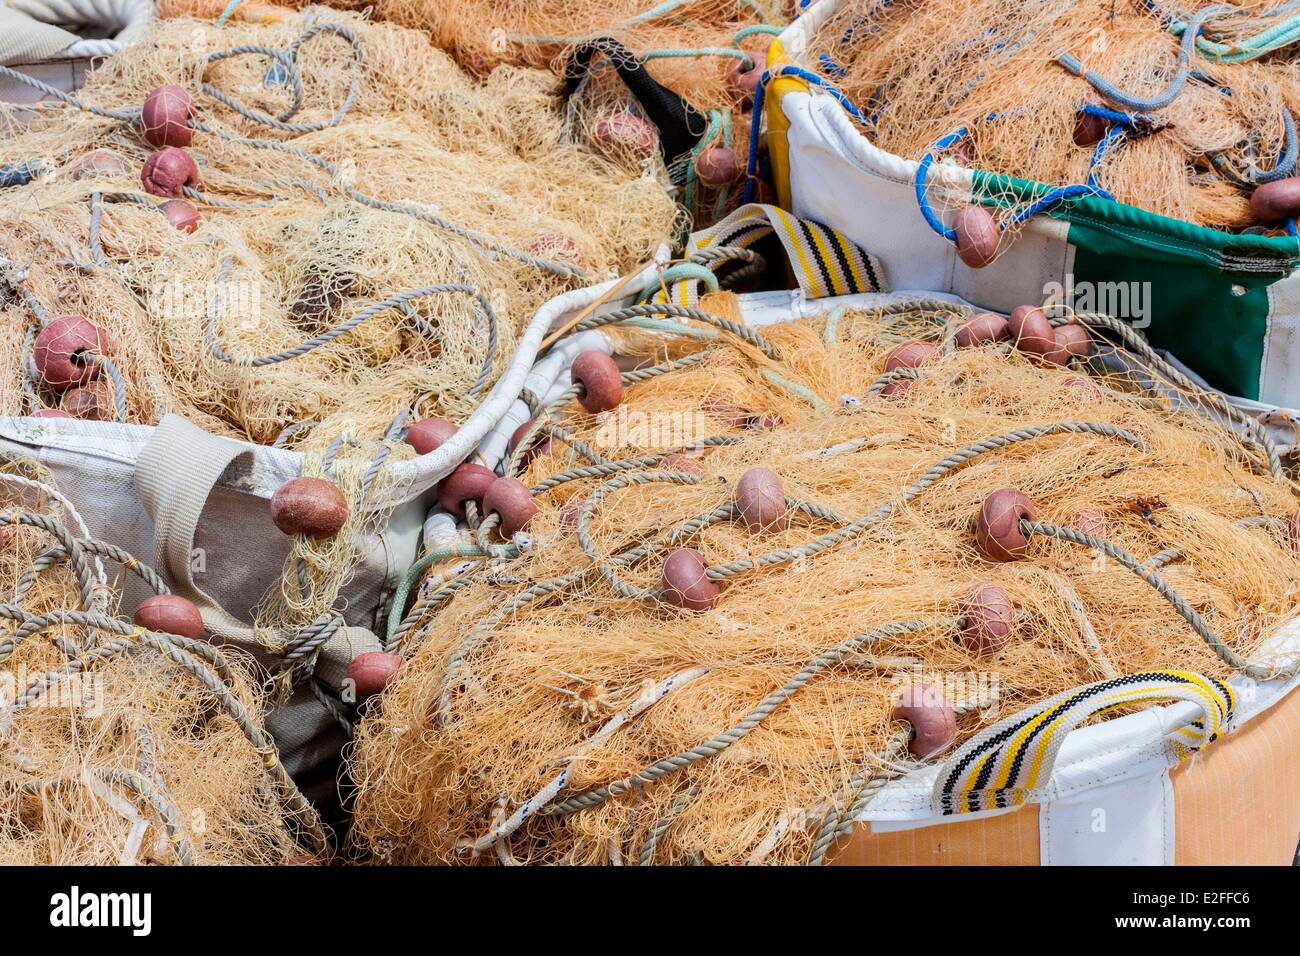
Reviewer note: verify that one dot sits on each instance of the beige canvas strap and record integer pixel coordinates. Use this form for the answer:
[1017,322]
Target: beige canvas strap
[174,476]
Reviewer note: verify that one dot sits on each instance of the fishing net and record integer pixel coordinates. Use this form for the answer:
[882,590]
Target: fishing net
[376,226]
[122,745]
[696,48]
[562,707]
[1180,109]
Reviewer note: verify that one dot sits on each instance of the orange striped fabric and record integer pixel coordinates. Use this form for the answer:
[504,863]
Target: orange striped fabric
[1235,803]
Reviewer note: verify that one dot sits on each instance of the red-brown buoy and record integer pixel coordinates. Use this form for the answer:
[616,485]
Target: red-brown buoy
[511,499]
[170,614]
[541,445]
[428,434]
[977,236]
[599,376]
[761,500]
[685,583]
[625,133]
[1090,523]
[997,530]
[310,506]
[168,171]
[1074,338]
[934,722]
[718,166]
[1030,331]
[469,482]
[911,354]
[372,671]
[181,215]
[1275,201]
[981,329]
[90,402]
[165,116]
[743,83]
[988,616]
[62,349]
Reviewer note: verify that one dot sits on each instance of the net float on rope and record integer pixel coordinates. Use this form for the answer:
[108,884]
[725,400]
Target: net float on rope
[511,499]
[372,671]
[934,722]
[911,354]
[1031,331]
[625,132]
[61,349]
[726,412]
[429,434]
[165,116]
[597,373]
[1074,338]
[718,166]
[469,482]
[1275,201]
[988,616]
[980,329]
[541,444]
[170,614]
[181,215]
[762,423]
[99,162]
[1089,523]
[685,583]
[997,530]
[91,403]
[310,506]
[168,171]
[897,388]
[681,463]
[743,83]
[977,236]
[761,500]
[569,516]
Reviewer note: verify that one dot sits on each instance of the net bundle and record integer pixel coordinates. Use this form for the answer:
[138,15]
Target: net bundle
[362,232]
[1179,109]
[734,574]
[123,744]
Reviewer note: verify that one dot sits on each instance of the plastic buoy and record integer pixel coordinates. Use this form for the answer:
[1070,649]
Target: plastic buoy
[511,499]
[911,354]
[997,530]
[181,215]
[685,582]
[761,500]
[171,614]
[989,615]
[168,171]
[310,506]
[372,671]
[599,376]
[165,116]
[981,328]
[468,482]
[934,723]
[61,349]
[428,434]
[977,236]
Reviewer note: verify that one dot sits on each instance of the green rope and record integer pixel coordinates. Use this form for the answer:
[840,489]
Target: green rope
[416,571]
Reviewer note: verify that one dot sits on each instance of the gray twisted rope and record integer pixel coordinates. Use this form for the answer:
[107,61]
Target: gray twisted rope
[119,386]
[934,473]
[716,744]
[1162,587]
[649,309]
[67,540]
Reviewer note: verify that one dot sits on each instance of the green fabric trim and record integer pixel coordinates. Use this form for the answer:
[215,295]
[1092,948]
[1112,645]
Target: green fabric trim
[1207,297]
[1275,256]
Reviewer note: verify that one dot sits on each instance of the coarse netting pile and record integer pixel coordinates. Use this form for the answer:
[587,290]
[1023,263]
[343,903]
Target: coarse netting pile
[1112,93]
[122,745]
[375,226]
[708,51]
[536,688]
